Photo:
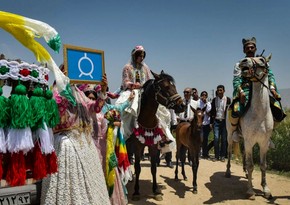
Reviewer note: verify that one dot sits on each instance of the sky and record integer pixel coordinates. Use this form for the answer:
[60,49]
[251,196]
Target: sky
[198,42]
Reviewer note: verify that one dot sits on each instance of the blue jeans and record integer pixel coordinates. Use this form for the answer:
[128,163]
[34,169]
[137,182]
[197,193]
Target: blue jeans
[220,138]
[205,133]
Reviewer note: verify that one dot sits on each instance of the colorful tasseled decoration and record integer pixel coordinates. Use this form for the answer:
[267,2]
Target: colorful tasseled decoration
[4,120]
[20,108]
[39,167]
[16,172]
[38,108]
[52,118]
[52,113]
[20,114]
[111,160]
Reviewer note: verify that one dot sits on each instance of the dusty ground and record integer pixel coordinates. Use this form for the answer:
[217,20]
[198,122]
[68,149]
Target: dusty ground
[213,186]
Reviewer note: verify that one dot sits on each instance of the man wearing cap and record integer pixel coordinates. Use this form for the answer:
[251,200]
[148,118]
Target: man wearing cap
[242,86]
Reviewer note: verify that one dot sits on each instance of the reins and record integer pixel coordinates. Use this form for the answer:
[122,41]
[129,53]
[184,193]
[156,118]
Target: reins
[256,75]
[170,101]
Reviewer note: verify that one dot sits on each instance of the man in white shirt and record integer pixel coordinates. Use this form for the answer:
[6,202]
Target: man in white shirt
[187,115]
[204,104]
[219,106]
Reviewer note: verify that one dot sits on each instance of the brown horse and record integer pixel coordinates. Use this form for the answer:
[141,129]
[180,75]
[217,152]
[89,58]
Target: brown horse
[160,90]
[188,135]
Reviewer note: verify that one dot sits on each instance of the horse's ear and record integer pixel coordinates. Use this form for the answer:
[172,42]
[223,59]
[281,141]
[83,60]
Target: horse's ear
[156,76]
[192,109]
[268,58]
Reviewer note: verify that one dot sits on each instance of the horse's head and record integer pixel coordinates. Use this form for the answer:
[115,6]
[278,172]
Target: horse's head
[165,92]
[198,118]
[255,68]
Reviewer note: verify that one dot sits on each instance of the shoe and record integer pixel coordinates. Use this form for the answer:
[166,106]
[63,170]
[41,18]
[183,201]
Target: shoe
[215,159]
[190,163]
[169,164]
[223,159]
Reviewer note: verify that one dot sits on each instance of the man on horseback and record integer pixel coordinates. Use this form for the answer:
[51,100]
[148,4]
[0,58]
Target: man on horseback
[241,93]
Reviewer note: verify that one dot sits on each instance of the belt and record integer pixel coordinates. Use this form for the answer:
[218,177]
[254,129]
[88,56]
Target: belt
[219,120]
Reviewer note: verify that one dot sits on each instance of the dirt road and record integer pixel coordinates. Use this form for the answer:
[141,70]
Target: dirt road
[213,186]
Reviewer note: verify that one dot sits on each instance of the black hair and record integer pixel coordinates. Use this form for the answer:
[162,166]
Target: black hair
[221,86]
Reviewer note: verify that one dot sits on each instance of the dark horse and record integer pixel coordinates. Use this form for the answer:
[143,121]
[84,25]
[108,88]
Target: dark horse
[161,90]
[188,135]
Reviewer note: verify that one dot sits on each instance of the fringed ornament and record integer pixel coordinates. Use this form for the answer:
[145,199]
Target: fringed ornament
[52,113]
[16,173]
[4,107]
[39,166]
[20,108]
[4,121]
[38,108]
[51,161]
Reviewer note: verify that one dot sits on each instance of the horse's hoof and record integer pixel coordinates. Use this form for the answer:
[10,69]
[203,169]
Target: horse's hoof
[251,195]
[268,195]
[136,197]
[228,174]
[158,197]
[194,191]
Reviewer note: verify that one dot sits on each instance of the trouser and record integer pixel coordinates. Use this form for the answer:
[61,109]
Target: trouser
[205,133]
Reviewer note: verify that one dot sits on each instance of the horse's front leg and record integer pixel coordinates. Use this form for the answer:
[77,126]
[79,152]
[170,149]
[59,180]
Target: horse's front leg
[195,164]
[177,156]
[263,167]
[137,167]
[250,167]
[182,159]
[154,155]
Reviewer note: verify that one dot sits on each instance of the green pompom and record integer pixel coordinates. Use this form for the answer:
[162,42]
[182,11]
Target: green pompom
[4,107]
[38,109]
[20,110]
[20,90]
[52,117]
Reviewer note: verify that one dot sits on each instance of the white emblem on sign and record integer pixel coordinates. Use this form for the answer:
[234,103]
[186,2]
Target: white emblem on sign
[80,69]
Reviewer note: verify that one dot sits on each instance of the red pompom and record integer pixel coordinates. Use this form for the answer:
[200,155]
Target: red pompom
[39,166]
[51,163]
[16,173]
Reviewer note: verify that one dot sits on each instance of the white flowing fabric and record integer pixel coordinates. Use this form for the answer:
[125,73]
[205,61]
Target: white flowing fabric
[80,178]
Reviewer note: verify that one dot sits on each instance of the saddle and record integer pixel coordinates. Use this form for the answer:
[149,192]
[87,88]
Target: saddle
[238,110]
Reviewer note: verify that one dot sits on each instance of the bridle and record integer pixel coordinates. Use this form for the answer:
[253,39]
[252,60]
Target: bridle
[253,71]
[169,101]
